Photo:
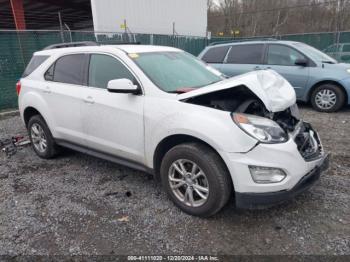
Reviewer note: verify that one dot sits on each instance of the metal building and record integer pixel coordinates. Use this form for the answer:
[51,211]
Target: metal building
[182,17]
[45,14]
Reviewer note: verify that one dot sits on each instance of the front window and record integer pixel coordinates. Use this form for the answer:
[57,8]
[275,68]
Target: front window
[173,71]
[315,54]
[103,68]
[282,55]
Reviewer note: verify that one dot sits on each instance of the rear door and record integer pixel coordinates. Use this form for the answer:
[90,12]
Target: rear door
[282,58]
[242,59]
[63,92]
[215,56]
[113,121]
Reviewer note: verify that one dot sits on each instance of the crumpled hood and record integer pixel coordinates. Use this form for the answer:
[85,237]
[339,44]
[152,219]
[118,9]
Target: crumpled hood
[274,91]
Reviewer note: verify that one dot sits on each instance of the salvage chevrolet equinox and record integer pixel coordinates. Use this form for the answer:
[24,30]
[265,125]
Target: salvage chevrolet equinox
[163,111]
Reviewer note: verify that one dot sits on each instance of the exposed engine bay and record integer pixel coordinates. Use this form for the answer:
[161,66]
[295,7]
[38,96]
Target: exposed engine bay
[241,100]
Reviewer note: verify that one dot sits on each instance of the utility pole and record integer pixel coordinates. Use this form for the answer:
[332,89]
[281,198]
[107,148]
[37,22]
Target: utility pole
[61,26]
[125,28]
[174,32]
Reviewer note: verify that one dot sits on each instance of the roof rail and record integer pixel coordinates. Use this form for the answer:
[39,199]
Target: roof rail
[243,40]
[89,43]
[71,44]
[118,43]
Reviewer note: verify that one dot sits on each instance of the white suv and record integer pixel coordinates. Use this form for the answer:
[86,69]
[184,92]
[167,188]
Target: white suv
[161,110]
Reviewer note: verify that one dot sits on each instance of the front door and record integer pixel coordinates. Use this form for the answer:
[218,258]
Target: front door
[282,59]
[113,121]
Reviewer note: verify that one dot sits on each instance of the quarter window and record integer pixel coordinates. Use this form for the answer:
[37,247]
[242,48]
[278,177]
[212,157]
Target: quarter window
[215,54]
[104,68]
[245,54]
[49,73]
[283,55]
[69,69]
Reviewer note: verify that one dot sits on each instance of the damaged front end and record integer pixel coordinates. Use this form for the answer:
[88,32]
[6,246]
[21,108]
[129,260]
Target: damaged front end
[256,96]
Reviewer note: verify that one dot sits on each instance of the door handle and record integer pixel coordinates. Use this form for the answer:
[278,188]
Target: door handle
[268,67]
[89,100]
[257,68]
[47,90]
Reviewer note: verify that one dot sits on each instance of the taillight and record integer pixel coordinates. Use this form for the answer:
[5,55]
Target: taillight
[18,87]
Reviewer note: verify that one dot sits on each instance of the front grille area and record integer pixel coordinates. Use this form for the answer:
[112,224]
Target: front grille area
[308,142]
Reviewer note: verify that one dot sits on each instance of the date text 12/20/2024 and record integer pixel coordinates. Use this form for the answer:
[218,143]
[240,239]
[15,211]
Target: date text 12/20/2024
[174,258]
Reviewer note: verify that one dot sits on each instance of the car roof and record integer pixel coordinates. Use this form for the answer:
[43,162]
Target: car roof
[255,42]
[110,48]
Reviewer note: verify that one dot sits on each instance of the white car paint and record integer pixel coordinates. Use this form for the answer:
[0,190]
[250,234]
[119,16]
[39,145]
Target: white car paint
[273,90]
[131,127]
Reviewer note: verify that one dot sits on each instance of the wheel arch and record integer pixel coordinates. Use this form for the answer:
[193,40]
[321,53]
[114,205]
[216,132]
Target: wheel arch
[30,112]
[333,82]
[173,140]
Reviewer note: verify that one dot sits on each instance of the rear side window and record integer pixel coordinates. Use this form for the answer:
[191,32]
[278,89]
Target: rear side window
[215,54]
[69,69]
[246,54]
[34,63]
[104,68]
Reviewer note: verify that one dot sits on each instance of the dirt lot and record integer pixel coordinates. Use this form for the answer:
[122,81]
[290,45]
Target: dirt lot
[77,204]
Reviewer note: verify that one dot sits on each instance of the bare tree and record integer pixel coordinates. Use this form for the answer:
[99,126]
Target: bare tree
[274,17]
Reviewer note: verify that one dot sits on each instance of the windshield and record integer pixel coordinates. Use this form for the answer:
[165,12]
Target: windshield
[315,54]
[175,71]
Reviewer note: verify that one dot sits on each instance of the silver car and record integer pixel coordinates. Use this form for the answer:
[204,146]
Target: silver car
[315,76]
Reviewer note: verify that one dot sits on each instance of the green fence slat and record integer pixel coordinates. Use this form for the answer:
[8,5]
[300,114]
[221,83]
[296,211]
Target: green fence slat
[16,48]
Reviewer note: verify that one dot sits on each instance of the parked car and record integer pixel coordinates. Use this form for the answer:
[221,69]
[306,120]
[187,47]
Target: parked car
[340,52]
[316,77]
[163,111]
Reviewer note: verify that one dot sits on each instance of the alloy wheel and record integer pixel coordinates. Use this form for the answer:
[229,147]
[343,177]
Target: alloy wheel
[188,182]
[326,99]
[38,138]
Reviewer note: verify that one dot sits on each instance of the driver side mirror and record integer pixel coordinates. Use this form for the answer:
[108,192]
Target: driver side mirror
[301,62]
[123,85]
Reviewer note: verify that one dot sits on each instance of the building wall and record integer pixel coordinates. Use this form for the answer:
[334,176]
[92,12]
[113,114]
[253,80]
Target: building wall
[151,16]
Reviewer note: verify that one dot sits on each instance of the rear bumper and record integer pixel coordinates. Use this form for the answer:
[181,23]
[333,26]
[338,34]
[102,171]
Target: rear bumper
[261,200]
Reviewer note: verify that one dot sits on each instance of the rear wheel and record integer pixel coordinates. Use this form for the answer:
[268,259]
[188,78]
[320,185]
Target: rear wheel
[327,98]
[196,179]
[41,137]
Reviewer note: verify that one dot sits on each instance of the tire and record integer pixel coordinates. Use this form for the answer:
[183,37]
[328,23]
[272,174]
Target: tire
[216,178]
[38,129]
[332,92]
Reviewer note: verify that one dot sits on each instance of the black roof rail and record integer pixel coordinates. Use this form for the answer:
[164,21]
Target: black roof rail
[71,44]
[118,43]
[88,43]
[243,40]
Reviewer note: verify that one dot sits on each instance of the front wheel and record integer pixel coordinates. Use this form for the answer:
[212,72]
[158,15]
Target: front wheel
[196,179]
[327,98]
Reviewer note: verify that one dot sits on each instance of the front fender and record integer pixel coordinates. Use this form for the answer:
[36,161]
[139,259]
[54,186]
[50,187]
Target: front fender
[215,127]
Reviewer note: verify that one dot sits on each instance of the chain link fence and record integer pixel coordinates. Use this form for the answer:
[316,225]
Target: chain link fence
[17,47]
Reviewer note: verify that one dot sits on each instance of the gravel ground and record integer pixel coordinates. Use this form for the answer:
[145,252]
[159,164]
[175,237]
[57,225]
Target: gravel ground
[77,204]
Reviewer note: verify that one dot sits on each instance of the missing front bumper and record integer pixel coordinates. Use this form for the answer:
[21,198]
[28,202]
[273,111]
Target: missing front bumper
[263,200]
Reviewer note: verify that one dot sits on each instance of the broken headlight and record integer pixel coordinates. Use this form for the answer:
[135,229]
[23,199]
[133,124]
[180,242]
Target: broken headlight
[261,128]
